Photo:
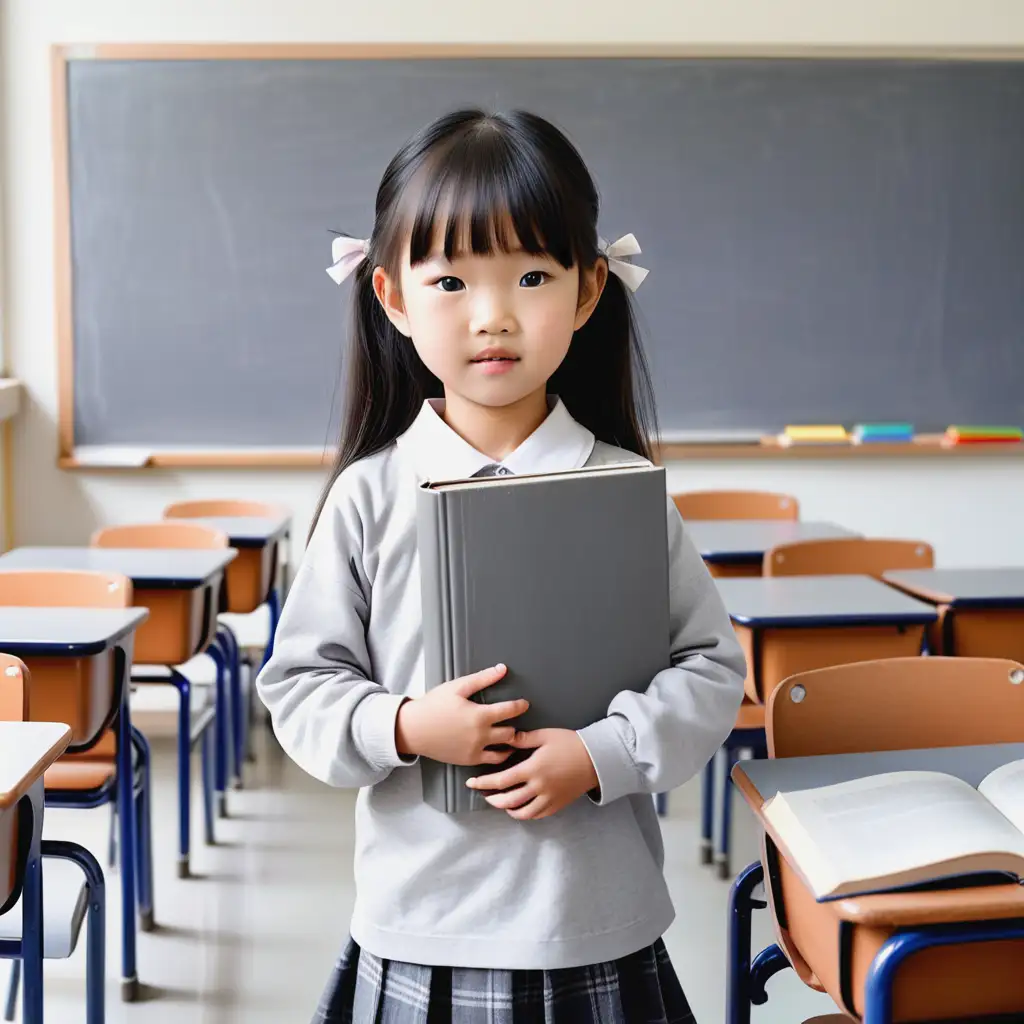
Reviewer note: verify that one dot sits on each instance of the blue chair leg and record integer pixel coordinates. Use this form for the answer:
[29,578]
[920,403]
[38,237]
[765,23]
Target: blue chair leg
[126,818]
[707,811]
[11,1003]
[229,645]
[207,789]
[95,961]
[144,832]
[184,687]
[741,908]
[725,832]
[222,729]
[274,606]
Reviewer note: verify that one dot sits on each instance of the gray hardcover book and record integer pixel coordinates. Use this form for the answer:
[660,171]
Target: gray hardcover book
[561,576]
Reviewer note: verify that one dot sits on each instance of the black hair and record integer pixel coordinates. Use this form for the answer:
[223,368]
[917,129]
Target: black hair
[482,174]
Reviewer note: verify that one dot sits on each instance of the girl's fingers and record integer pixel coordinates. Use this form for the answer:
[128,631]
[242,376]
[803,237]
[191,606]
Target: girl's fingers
[505,710]
[477,681]
[503,734]
[527,740]
[535,808]
[512,799]
[495,756]
[514,776]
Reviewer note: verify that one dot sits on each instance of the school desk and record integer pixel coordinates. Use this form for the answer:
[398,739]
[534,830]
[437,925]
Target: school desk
[30,633]
[180,587]
[736,547]
[981,611]
[861,943]
[27,749]
[257,540]
[792,624]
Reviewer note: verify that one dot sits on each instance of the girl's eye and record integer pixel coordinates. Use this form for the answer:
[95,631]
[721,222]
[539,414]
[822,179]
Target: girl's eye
[534,279]
[450,284]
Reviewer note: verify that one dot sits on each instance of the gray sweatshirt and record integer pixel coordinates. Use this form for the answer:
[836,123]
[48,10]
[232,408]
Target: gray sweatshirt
[482,889]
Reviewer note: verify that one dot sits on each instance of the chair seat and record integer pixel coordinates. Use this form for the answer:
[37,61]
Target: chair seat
[65,900]
[79,774]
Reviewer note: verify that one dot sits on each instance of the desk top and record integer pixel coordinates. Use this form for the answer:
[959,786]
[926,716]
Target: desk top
[746,540]
[27,749]
[809,601]
[156,568]
[964,588]
[65,632]
[247,531]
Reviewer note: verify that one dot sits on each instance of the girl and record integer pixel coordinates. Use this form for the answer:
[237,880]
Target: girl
[489,338]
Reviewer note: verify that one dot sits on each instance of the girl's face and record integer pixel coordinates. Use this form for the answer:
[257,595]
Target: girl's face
[493,328]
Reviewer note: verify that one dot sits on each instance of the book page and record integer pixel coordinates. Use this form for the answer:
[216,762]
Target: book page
[857,835]
[1004,789]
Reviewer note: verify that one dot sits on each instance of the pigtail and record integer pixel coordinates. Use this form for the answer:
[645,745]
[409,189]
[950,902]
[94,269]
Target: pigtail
[386,383]
[605,381]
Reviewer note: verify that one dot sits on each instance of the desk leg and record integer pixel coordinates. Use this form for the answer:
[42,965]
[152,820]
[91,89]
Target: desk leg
[707,809]
[126,821]
[222,730]
[238,739]
[878,987]
[32,911]
[741,908]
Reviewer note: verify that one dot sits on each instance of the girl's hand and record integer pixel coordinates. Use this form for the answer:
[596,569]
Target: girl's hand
[445,725]
[558,772]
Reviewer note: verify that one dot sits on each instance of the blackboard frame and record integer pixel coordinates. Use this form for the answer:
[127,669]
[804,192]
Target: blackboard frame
[70,457]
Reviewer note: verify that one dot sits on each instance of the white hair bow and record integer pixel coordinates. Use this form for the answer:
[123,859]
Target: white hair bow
[630,274]
[347,253]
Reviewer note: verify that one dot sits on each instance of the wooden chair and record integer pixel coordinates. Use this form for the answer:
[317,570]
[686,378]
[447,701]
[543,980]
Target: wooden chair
[736,505]
[82,692]
[898,704]
[181,625]
[70,894]
[847,556]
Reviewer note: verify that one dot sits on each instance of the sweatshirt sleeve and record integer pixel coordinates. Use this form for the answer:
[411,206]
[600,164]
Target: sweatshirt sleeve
[652,742]
[329,715]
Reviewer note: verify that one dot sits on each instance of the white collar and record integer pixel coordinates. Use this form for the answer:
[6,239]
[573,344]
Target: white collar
[436,452]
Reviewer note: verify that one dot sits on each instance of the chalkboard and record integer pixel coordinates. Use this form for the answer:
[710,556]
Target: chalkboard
[828,240]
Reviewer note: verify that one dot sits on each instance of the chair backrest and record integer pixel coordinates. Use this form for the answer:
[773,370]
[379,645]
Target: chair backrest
[14,687]
[847,556]
[167,534]
[897,704]
[736,505]
[223,507]
[59,588]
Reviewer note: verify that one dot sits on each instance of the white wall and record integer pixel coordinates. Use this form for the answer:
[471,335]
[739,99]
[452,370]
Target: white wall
[970,509]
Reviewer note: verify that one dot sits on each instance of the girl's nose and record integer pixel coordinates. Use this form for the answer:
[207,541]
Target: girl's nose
[492,315]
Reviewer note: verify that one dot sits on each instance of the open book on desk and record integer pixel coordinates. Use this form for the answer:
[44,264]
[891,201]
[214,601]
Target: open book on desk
[900,829]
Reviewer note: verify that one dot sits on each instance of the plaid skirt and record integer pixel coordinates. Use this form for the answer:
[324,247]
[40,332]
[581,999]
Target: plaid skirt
[638,989]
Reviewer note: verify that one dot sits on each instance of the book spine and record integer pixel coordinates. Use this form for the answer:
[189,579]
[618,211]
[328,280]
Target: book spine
[445,589]
[460,589]
[432,537]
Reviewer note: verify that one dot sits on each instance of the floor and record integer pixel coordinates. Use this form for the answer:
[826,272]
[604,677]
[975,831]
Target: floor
[253,937]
